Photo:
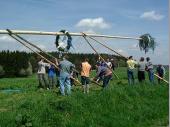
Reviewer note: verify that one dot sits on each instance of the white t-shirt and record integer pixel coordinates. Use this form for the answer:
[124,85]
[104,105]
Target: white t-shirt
[141,66]
[109,64]
[41,67]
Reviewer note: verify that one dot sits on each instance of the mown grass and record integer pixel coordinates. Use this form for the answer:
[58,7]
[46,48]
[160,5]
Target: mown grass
[121,105]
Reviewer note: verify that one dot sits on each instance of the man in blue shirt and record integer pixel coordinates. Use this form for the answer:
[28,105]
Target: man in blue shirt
[65,75]
[51,76]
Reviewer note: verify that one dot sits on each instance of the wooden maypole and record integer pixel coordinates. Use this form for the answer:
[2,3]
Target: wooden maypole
[60,33]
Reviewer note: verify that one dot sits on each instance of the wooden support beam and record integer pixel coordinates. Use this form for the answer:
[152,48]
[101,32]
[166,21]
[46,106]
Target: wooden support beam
[72,34]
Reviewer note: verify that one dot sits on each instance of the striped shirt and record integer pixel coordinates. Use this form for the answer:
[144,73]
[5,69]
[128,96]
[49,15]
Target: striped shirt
[149,65]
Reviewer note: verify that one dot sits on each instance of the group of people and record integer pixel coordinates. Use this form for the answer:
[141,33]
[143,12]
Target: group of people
[142,67]
[67,73]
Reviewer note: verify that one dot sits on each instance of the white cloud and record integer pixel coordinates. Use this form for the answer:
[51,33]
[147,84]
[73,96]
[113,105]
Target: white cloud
[134,47]
[152,15]
[43,47]
[99,23]
[122,52]
[90,31]
[6,38]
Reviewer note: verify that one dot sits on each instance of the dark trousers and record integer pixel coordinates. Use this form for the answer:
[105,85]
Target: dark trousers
[159,80]
[85,80]
[141,76]
[106,80]
[52,81]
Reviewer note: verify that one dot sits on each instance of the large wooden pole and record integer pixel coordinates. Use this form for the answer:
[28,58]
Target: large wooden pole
[72,34]
[125,57]
[98,54]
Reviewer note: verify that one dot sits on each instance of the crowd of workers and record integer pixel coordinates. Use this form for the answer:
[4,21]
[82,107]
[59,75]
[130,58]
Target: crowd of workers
[67,74]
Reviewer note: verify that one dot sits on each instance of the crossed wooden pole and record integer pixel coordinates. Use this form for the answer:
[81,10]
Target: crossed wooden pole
[123,56]
[26,41]
[84,35]
[15,32]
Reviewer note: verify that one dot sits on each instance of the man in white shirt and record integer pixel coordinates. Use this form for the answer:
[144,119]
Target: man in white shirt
[109,64]
[41,74]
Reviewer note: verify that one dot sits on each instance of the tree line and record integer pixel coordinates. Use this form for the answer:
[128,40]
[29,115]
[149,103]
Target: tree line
[21,64]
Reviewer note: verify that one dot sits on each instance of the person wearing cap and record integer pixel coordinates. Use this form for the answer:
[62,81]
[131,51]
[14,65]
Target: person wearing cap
[130,69]
[149,69]
[65,75]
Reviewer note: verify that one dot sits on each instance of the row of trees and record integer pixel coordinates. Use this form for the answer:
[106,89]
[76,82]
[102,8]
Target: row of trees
[14,64]
[17,64]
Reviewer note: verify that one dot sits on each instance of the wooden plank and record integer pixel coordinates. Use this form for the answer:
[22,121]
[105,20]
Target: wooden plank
[72,34]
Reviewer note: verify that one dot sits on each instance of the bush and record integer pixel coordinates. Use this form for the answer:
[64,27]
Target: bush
[28,71]
[2,72]
[22,72]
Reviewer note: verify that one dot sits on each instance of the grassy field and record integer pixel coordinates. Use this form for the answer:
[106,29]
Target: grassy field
[121,105]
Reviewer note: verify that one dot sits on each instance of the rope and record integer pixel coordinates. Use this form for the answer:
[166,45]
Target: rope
[10,34]
[107,47]
[84,35]
[31,44]
[123,56]
[26,41]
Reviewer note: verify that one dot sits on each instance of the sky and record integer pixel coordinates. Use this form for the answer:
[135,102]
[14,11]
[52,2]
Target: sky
[123,18]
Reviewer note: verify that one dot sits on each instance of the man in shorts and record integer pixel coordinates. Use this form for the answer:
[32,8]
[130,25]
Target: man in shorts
[85,71]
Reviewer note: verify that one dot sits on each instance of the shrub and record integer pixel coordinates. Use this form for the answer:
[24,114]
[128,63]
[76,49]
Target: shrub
[22,72]
[28,71]
[2,72]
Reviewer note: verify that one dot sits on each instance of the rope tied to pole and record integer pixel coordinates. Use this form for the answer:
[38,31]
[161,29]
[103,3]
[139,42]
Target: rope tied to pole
[124,56]
[11,34]
[84,35]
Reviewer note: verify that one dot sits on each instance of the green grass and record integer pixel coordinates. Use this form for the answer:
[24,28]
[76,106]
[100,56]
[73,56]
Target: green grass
[141,105]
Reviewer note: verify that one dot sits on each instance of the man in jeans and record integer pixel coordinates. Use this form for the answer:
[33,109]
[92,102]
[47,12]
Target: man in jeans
[41,74]
[105,72]
[149,69]
[130,68]
[51,76]
[65,75]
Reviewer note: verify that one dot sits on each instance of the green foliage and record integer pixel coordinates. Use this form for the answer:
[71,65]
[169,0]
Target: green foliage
[14,63]
[141,105]
[23,120]
[17,63]
[22,72]
[28,70]
[2,72]
[147,42]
